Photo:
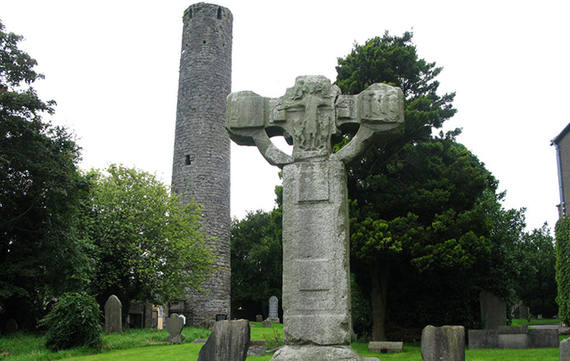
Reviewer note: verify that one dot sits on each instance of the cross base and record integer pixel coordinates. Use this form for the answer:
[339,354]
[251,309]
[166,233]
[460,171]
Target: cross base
[318,353]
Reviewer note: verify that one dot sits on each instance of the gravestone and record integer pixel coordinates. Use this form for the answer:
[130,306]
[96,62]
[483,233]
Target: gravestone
[229,341]
[113,315]
[443,343]
[493,310]
[258,318]
[11,326]
[267,323]
[273,309]
[564,352]
[316,283]
[174,325]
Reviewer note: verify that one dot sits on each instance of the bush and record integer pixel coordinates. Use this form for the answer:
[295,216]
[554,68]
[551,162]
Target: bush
[563,268]
[73,322]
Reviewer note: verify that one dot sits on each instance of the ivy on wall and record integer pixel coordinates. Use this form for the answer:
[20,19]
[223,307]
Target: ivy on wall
[563,268]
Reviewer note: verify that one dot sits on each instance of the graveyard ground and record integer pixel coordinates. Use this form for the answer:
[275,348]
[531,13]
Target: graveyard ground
[141,345]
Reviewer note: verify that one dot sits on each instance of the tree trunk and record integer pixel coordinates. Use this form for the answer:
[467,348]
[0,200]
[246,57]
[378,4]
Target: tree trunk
[379,272]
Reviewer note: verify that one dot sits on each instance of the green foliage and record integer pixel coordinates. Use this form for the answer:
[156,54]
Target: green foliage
[273,340]
[41,251]
[147,245]
[424,211]
[257,262]
[73,322]
[563,268]
[536,286]
[394,60]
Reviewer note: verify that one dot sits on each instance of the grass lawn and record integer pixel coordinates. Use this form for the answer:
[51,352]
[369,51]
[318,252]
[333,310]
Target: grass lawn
[520,322]
[143,345]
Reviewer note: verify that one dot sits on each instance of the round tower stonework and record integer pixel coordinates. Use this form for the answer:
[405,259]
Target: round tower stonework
[201,166]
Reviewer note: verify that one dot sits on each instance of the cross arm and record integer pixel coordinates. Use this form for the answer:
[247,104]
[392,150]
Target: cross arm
[247,117]
[379,112]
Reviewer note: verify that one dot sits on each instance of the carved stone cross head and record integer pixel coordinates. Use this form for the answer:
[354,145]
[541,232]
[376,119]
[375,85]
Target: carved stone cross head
[310,114]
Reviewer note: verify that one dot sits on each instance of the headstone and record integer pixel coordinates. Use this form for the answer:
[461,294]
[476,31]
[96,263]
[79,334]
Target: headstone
[259,318]
[174,325]
[316,282]
[443,343]
[493,310]
[273,309]
[267,323]
[113,315]
[565,350]
[229,341]
[11,326]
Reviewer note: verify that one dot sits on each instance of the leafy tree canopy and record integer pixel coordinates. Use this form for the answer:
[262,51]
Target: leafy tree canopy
[257,262]
[394,60]
[147,245]
[421,203]
[41,252]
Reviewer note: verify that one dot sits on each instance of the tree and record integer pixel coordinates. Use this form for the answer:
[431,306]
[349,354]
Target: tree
[536,286]
[423,212]
[147,245]
[393,60]
[42,253]
[257,260]
[257,263]
[420,204]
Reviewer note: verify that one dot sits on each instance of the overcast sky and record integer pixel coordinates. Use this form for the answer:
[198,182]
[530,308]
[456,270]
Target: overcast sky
[112,67]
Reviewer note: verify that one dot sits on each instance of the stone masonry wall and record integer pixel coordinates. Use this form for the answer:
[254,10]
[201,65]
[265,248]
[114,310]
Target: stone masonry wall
[201,165]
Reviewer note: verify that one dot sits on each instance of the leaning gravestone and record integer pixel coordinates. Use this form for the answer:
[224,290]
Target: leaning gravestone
[273,312]
[229,341]
[443,343]
[316,284]
[113,315]
[174,325]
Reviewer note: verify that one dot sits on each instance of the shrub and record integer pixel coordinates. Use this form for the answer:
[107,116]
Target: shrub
[563,268]
[73,322]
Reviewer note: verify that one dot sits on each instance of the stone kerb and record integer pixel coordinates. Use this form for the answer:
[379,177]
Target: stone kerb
[380,346]
[513,337]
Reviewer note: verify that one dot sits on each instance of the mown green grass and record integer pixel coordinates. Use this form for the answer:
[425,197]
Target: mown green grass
[521,322]
[149,344]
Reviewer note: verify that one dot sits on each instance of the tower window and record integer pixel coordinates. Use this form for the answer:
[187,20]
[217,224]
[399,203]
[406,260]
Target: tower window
[219,13]
[187,161]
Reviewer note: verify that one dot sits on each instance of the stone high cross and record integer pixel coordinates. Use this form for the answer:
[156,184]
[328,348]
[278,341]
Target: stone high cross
[316,281]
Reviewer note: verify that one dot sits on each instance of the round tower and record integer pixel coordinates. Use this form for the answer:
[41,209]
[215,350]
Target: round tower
[201,166]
